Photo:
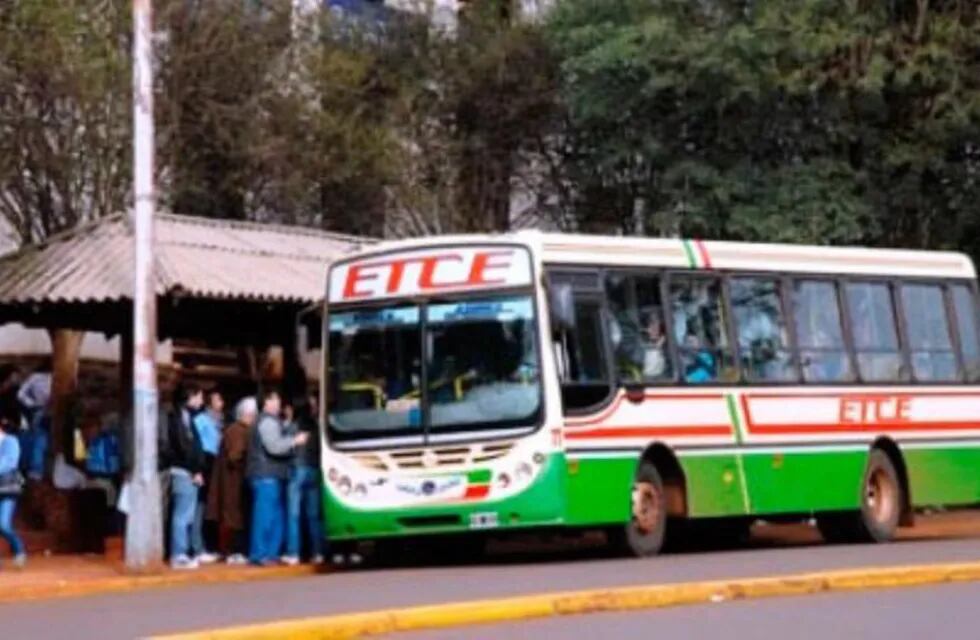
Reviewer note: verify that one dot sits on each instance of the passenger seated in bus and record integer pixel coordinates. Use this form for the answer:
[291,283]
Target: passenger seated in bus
[699,363]
[654,358]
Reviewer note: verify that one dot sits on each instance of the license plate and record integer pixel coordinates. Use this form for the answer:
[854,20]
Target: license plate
[486,520]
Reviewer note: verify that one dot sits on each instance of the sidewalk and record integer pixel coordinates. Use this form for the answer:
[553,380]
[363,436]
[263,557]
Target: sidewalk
[78,575]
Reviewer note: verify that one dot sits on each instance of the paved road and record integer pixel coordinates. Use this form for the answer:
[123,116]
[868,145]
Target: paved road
[946,612]
[143,613]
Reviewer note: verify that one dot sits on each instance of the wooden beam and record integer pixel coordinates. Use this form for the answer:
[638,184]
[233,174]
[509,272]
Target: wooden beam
[65,348]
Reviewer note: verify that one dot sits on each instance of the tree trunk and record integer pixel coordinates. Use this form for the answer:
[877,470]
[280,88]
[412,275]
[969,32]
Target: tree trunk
[66,346]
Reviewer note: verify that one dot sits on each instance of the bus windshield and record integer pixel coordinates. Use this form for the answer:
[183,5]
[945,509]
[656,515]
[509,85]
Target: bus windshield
[478,356]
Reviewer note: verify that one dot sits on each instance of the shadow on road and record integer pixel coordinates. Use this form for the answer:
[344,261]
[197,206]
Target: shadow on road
[585,545]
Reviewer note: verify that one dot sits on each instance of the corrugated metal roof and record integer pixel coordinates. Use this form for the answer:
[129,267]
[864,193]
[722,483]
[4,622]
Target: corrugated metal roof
[195,256]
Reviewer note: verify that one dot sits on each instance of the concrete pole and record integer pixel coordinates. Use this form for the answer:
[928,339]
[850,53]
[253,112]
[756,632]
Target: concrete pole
[144,540]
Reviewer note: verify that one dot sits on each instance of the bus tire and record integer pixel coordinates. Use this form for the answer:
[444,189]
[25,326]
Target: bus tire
[878,517]
[644,534]
[881,499]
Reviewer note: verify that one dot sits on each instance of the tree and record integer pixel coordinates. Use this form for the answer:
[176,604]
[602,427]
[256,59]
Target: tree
[64,113]
[799,120]
[468,109]
[219,65]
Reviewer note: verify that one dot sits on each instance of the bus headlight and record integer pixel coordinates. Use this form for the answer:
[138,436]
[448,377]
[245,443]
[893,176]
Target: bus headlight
[538,458]
[360,491]
[503,480]
[333,474]
[344,485]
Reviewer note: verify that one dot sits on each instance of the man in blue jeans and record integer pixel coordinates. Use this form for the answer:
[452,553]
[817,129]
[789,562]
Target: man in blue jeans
[303,493]
[270,449]
[186,478]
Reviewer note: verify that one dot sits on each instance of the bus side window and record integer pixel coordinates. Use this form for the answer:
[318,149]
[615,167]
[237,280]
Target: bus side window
[965,310]
[819,332]
[638,333]
[761,330]
[698,316]
[872,316]
[928,333]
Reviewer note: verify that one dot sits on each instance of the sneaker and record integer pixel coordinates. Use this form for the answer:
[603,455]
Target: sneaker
[20,560]
[183,563]
[236,559]
[289,561]
[208,558]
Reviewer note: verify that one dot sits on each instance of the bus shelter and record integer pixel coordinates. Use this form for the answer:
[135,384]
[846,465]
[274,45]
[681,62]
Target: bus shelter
[230,283]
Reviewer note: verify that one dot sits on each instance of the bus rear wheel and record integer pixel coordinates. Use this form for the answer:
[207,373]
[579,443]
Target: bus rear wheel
[881,499]
[643,535]
[881,506]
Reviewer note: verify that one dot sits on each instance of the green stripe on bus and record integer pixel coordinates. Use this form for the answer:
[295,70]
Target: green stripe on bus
[743,478]
[689,252]
[480,476]
[733,416]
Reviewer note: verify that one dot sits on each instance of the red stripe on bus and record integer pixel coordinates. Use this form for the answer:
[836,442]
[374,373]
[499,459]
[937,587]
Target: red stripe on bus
[844,428]
[703,252]
[850,427]
[871,391]
[476,491]
[641,432]
[587,421]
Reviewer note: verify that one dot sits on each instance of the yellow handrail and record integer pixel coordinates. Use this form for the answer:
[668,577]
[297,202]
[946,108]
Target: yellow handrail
[457,383]
[376,390]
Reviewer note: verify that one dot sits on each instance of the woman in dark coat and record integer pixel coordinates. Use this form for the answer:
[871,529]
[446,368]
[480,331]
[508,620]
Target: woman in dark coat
[227,500]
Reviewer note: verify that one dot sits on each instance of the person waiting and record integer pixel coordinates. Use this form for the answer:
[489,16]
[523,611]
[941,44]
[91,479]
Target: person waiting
[186,477]
[269,452]
[11,485]
[303,493]
[226,499]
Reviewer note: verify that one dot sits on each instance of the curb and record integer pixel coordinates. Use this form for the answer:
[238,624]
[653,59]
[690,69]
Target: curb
[591,601]
[65,588]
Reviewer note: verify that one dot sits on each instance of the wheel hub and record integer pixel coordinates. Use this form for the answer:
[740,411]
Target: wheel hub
[881,496]
[646,506]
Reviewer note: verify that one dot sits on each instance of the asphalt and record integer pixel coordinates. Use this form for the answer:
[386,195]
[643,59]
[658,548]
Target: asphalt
[139,614]
[948,612]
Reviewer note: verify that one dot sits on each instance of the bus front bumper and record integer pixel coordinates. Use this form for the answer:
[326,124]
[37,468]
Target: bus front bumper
[542,503]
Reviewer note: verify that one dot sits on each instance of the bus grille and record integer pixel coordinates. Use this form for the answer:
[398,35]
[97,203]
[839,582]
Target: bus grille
[438,457]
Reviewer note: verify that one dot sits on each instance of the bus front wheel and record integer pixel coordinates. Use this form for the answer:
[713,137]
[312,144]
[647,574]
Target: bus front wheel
[643,535]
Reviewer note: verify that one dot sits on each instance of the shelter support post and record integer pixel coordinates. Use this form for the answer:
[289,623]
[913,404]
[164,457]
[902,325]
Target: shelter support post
[66,346]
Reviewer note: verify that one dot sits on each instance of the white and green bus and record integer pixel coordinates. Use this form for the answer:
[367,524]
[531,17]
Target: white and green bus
[479,383]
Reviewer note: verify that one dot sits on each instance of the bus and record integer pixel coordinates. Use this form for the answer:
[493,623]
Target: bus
[493,383]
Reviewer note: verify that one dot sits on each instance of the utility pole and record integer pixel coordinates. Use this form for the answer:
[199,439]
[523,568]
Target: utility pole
[144,536]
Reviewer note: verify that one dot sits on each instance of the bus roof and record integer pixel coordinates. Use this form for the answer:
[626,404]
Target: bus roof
[629,251]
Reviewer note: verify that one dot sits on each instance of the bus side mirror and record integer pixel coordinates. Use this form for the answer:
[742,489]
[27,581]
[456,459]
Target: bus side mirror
[562,307]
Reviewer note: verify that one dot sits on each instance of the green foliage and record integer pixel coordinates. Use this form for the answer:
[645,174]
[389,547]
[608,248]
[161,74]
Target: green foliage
[826,121]
[821,121]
